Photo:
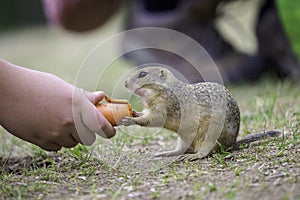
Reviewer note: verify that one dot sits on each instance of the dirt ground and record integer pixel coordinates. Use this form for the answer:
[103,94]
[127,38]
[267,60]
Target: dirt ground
[265,170]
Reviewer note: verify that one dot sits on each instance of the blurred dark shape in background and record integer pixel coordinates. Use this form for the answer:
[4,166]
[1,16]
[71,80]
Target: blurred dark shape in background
[19,13]
[195,18]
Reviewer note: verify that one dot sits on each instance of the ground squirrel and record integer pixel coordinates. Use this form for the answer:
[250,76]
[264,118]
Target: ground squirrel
[205,115]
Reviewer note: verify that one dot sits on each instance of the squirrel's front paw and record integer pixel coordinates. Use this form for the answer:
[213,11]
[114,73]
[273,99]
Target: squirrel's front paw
[127,121]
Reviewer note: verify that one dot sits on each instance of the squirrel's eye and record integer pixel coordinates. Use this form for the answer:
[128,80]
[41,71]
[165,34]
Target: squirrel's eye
[142,74]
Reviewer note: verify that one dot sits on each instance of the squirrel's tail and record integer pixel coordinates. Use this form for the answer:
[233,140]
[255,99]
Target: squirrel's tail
[255,137]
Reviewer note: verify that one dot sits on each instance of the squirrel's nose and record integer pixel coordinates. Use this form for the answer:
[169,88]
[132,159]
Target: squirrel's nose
[126,84]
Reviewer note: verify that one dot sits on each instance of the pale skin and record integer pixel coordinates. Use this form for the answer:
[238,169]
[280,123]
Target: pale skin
[47,111]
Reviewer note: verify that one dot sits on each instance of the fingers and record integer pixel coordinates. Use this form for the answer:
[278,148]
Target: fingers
[95,121]
[51,147]
[48,146]
[75,135]
[88,120]
[57,140]
[82,133]
[105,126]
[94,97]
[68,141]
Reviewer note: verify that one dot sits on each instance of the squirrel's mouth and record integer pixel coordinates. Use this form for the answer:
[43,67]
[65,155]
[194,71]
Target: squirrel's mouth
[139,91]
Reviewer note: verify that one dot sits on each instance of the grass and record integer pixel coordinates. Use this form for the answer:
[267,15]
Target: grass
[290,14]
[123,167]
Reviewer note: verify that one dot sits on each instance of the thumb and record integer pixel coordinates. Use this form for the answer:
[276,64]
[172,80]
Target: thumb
[94,97]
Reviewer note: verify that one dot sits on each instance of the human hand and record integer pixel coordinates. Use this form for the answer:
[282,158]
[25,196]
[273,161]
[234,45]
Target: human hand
[45,110]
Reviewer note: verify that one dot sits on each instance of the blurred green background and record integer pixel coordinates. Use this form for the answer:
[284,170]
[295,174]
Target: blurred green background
[290,15]
[26,40]
[15,14]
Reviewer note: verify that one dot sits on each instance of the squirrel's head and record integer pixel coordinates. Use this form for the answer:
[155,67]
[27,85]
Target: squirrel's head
[149,78]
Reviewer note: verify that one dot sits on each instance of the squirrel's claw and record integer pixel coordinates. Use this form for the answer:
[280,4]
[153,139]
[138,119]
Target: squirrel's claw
[188,157]
[127,121]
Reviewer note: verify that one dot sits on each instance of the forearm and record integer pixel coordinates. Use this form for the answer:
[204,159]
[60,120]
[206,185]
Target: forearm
[80,15]
[11,87]
[12,97]
[21,89]
[16,83]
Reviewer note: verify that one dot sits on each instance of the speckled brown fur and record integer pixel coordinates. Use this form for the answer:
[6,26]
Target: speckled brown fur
[201,113]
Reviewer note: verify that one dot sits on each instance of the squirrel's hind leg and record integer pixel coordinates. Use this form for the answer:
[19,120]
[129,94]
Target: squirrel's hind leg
[180,149]
[193,154]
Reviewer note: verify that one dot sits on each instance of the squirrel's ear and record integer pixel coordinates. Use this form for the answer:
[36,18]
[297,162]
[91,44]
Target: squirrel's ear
[162,73]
